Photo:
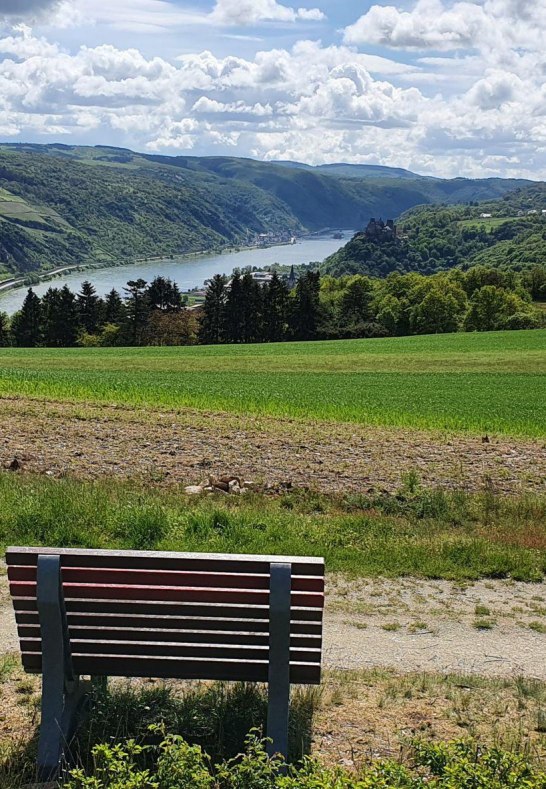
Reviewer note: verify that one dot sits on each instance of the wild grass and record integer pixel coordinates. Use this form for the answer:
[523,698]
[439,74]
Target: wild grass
[427,533]
[359,716]
[505,712]
[489,383]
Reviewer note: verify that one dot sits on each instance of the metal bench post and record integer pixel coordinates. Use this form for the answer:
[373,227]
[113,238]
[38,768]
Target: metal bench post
[60,687]
[279,658]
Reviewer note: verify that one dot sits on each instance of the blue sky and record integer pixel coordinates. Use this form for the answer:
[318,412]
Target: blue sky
[443,87]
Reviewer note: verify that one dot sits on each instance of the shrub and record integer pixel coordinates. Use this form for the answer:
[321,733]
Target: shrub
[457,765]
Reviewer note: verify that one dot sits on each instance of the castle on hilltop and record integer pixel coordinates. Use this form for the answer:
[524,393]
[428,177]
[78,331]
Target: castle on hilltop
[377,230]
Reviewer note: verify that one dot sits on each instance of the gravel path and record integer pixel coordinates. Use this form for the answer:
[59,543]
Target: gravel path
[435,623]
[184,447]
[487,627]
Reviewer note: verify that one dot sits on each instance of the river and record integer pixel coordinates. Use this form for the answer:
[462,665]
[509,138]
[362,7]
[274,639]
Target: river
[188,273]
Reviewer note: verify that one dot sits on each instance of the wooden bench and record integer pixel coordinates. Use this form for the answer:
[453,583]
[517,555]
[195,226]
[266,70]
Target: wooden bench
[152,614]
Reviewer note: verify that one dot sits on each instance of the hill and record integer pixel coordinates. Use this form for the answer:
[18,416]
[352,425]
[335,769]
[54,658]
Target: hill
[508,233]
[63,204]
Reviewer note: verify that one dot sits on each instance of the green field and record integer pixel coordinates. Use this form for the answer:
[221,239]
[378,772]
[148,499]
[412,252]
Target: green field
[478,382]
[487,223]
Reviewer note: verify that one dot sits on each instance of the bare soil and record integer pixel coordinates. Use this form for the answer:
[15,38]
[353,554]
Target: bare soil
[183,447]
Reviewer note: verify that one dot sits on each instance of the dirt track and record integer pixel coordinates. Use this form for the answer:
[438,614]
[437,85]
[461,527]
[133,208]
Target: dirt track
[184,447]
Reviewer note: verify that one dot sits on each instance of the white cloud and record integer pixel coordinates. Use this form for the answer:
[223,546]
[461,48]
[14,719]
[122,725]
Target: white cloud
[135,16]
[485,114]
[466,24]
[252,12]
[429,25]
[162,16]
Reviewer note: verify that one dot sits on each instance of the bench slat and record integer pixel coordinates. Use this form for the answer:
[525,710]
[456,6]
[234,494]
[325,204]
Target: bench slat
[166,578]
[210,636]
[152,622]
[168,593]
[169,649]
[176,668]
[166,560]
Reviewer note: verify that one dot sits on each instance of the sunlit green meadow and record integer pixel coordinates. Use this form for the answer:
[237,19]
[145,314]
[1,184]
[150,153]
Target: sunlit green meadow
[494,382]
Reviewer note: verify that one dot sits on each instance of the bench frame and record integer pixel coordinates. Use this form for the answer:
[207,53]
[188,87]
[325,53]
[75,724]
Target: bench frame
[63,696]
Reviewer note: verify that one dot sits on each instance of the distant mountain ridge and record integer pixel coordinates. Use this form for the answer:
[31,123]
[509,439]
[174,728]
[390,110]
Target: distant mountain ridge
[347,170]
[62,204]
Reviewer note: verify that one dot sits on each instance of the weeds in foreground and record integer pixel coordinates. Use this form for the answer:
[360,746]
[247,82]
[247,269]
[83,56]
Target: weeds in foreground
[361,713]
[212,716]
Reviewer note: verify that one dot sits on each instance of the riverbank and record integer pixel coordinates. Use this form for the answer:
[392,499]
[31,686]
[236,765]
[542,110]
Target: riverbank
[36,277]
[189,270]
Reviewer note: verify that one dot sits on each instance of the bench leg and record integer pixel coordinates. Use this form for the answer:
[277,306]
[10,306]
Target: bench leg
[279,659]
[61,692]
[60,712]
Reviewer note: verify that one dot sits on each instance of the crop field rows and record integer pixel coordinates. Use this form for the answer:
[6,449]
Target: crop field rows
[483,383]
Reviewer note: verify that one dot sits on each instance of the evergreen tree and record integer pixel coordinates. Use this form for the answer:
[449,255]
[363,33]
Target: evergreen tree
[164,294]
[5,338]
[137,309]
[60,318]
[26,325]
[70,325]
[275,311]
[251,309]
[90,308]
[234,309]
[114,309]
[51,308]
[214,312]
[306,307]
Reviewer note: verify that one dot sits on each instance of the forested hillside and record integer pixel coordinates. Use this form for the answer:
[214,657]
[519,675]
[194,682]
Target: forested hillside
[63,205]
[508,233]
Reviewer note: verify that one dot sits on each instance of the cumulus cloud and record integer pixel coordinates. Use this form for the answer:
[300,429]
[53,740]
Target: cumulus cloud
[252,12]
[311,102]
[467,24]
[429,25]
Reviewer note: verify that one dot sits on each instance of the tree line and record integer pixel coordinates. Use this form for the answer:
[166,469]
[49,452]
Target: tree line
[326,307]
[243,310]
[145,314]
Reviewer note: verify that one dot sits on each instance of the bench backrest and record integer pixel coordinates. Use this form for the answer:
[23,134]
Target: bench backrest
[179,615]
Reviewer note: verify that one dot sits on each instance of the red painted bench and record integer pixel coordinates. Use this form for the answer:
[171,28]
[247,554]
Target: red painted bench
[152,614]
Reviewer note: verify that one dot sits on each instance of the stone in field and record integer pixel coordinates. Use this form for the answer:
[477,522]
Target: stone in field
[193,490]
